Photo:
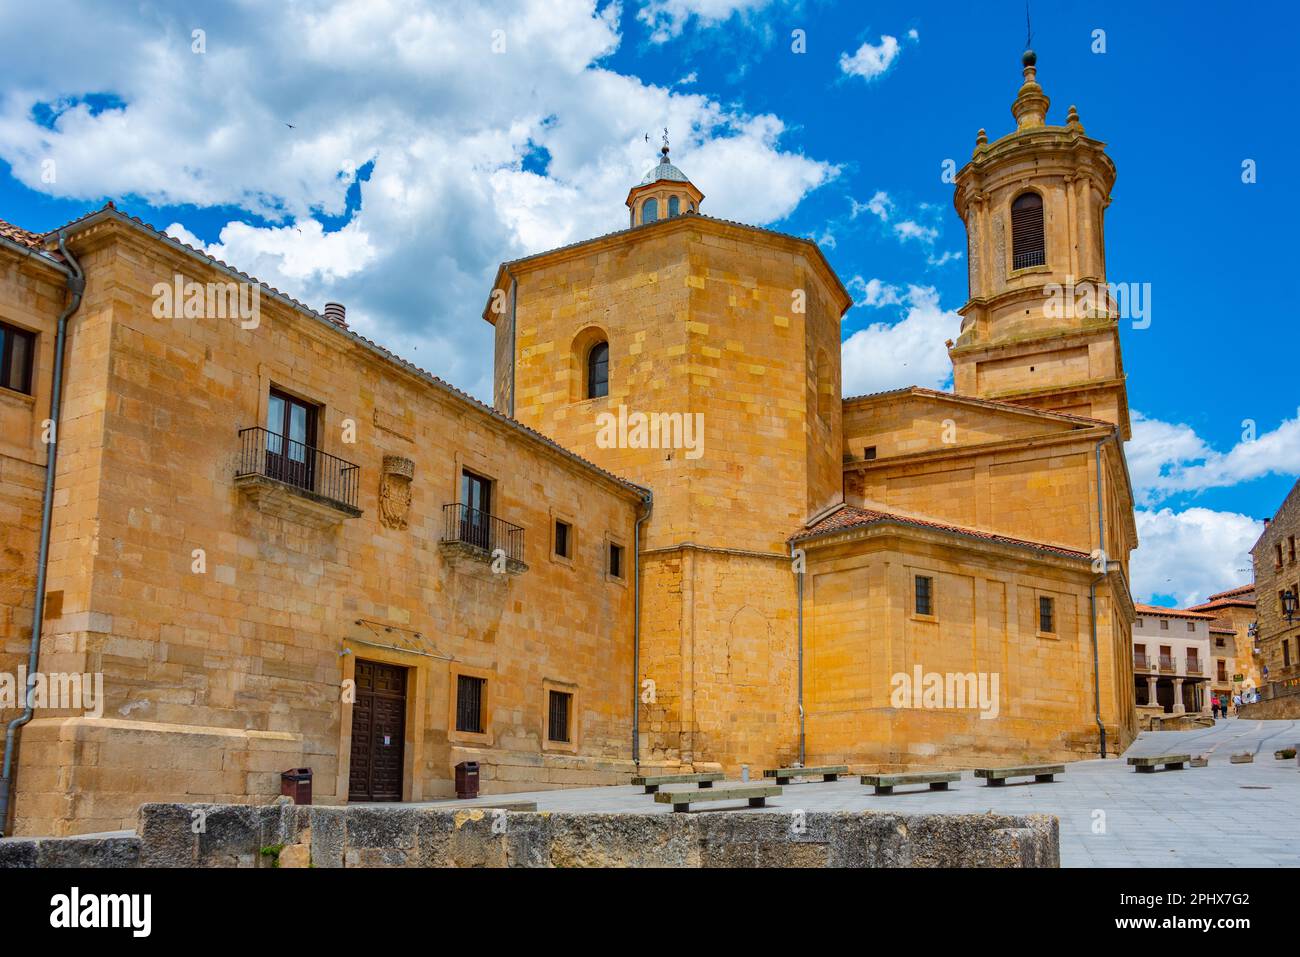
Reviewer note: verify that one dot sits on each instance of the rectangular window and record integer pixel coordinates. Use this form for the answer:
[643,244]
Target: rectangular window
[924,595]
[291,440]
[1286,653]
[557,725]
[615,560]
[469,704]
[563,538]
[1046,615]
[1223,670]
[1277,558]
[17,346]
[1164,624]
[1139,623]
[1191,626]
[869,452]
[475,509]
[1290,548]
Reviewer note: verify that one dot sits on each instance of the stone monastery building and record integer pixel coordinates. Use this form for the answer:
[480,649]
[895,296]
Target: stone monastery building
[279,545]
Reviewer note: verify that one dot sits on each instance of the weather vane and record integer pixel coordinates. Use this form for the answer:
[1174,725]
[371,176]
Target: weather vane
[1029,29]
[665,139]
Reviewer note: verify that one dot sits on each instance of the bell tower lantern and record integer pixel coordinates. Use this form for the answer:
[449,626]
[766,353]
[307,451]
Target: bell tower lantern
[664,192]
[1039,327]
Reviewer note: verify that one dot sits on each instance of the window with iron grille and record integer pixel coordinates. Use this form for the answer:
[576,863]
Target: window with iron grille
[1028,247]
[469,704]
[1046,615]
[924,595]
[557,726]
[17,346]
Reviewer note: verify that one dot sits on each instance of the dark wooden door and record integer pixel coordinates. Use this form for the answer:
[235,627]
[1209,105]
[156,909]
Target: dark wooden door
[378,730]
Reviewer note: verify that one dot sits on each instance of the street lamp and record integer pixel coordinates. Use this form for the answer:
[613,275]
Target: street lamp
[1289,606]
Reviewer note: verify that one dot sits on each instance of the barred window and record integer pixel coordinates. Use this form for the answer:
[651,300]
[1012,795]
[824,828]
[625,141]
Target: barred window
[1046,615]
[924,595]
[1028,247]
[469,704]
[560,705]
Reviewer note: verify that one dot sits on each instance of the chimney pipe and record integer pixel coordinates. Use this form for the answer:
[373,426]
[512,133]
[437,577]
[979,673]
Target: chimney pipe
[337,313]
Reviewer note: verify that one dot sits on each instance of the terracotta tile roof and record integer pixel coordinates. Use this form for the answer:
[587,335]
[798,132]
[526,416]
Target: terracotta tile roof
[851,516]
[22,237]
[1223,603]
[1234,592]
[975,400]
[392,357]
[1169,612]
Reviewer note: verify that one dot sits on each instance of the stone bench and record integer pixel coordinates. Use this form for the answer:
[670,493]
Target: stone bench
[682,798]
[828,772]
[1170,762]
[1041,773]
[885,783]
[653,782]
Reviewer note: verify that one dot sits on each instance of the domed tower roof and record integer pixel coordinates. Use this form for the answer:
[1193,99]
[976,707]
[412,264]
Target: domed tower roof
[663,192]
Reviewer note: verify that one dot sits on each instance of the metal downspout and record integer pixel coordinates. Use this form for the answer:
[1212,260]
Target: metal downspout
[1092,601]
[799,604]
[649,502]
[76,284]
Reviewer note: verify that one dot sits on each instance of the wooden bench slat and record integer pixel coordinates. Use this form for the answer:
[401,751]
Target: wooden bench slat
[828,772]
[652,782]
[885,783]
[682,798]
[1041,773]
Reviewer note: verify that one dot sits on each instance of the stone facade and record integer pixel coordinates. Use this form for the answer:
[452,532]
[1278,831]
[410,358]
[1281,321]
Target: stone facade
[1234,644]
[1173,663]
[1277,571]
[739,585]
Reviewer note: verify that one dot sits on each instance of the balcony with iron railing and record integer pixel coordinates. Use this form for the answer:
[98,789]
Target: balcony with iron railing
[482,537]
[296,480]
[1194,666]
[1167,663]
[1141,662]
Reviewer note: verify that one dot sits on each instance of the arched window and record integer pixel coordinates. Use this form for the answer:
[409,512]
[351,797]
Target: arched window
[1027,245]
[674,206]
[598,371]
[650,210]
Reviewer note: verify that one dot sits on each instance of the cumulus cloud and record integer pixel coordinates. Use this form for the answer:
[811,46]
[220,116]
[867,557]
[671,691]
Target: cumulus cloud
[290,101]
[667,19]
[1191,554]
[1166,459]
[871,61]
[910,351]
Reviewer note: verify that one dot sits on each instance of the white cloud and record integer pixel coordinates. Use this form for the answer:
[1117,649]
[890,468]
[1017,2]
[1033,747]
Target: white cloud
[875,292]
[909,229]
[908,352]
[398,83]
[1191,554]
[879,205]
[667,18]
[871,61]
[1166,459]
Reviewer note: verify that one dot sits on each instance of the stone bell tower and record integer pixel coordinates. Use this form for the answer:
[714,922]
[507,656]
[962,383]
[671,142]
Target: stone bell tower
[1040,327]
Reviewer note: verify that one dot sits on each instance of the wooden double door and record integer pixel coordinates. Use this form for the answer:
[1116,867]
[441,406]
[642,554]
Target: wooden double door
[378,732]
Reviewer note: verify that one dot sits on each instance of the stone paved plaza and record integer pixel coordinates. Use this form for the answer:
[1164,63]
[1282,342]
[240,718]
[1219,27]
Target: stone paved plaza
[1224,815]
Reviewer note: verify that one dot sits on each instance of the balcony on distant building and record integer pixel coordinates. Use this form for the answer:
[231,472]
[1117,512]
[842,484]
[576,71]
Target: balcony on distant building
[1167,663]
[1141,662]
[295,480]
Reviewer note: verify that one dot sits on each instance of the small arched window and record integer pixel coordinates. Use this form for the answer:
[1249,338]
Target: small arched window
[650,210]
[674,206]
[1027,245]
[598,371]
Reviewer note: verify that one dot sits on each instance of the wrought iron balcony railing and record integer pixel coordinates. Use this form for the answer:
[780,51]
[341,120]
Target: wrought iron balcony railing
[482,531]
[1193,666]
[1141,662]
[266,453]
[1166,662]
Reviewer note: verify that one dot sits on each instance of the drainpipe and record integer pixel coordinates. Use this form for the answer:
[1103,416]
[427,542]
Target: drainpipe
[76,283]
[649,502]
[1092,601]
[798,577]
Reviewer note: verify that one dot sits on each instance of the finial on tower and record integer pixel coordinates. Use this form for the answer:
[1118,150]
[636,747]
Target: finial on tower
[1030,107]
[664,149]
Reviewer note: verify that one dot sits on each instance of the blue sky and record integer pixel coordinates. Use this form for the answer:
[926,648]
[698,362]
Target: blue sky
[391,156]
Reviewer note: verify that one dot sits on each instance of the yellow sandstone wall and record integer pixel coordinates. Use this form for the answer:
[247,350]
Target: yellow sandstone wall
[217,681]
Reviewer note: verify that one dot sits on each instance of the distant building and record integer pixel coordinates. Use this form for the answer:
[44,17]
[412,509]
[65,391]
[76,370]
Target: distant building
[1277,582]
[1233,645]
[1171,660]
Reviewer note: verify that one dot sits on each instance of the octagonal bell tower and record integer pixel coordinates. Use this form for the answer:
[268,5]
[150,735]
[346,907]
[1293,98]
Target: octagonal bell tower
[1040,325]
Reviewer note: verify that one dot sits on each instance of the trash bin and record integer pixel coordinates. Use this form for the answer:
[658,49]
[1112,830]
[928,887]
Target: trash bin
[296,783]
[467,779]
